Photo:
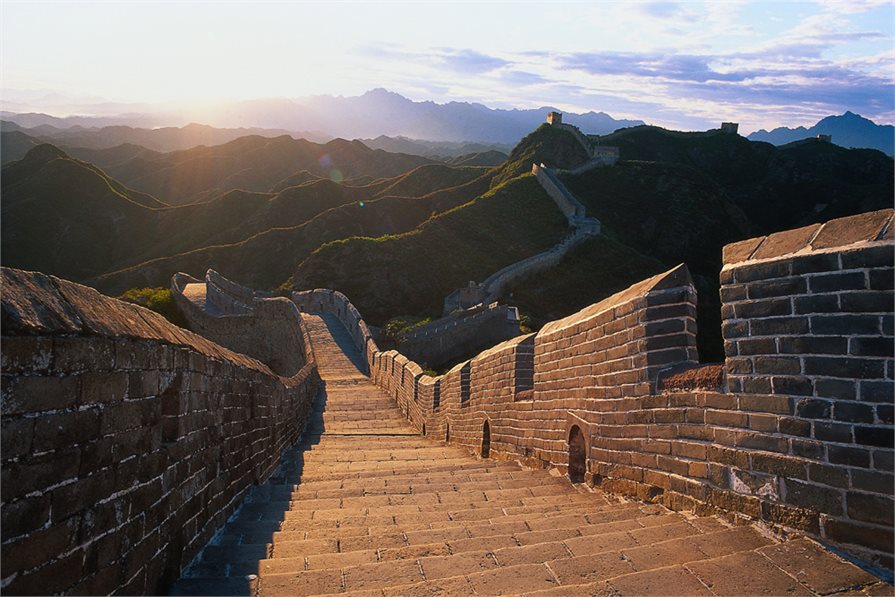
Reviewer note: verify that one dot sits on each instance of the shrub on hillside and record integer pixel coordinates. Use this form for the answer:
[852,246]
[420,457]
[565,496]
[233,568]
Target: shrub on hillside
[160,300]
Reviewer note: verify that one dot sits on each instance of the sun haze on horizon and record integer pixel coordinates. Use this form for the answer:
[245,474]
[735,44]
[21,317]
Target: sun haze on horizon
[677,64]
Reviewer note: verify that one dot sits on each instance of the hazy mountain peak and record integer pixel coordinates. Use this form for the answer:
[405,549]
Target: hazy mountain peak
[848,130]
[44,153]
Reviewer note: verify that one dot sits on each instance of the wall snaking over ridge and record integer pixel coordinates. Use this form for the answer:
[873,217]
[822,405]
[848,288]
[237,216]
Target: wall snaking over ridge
[802,440]
[268,329]
[126,441]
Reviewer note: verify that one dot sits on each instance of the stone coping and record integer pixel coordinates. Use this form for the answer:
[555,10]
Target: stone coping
[874,226]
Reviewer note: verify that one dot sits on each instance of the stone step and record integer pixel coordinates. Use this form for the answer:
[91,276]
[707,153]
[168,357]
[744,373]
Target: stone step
[502,566]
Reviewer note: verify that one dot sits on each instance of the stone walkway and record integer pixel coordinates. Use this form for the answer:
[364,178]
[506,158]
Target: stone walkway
[365,506]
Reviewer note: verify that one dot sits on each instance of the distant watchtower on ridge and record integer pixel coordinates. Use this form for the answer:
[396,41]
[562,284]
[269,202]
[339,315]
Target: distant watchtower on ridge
[825,138]
[730,127]
[554,118]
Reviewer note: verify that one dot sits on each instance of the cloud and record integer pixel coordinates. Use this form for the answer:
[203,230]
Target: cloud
[660,9]
[468,61]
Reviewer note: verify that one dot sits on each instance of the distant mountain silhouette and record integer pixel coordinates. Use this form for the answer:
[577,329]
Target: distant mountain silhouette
[434,149]
[377,112]
[252,163]
[848,130]
[62,133]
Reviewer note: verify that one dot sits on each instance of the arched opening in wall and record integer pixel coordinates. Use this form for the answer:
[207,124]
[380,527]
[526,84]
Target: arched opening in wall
[424,429]
[447,433]
[486,440]
[577,455]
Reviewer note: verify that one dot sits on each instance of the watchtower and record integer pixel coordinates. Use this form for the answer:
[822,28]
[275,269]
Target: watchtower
[554,118]
[730,127]
[825,138]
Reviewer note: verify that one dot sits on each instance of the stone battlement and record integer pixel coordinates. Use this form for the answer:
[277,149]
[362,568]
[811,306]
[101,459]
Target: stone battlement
[460,334]
[127,441]
[264,327]
[802,439]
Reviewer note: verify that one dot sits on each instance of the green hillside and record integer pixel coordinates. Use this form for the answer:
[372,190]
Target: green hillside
[66,217]
[254,163]
[413,272]
[270,256]
[776,187]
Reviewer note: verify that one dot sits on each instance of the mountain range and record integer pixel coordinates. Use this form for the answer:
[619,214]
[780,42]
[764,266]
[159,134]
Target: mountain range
[377,112]
[397,232]
[847,130]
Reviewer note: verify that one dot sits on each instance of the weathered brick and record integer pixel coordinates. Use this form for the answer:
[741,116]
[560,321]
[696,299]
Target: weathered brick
[835,476]
[845,325]
[872,481]
[76,354]
[763,271]
[34,474]
[870,507]
[100,388]
[816,303]
[778,365]
[871,301]
[874,436]
[816,497]
[757,385]
[730,293]
[65,429]
[16,436]
[874,347]
[779,465]
[813,409]
[885,413]
[734,329]
[833,432]
[835,388]
[852,368]
[836,282]
[849,456]
[763,308]
[807,448]
[794,385]
[882,279]
[756,346]
[38,394]
[884,460]
[778,326]
[797,427]
[878,256]
[818,262]
[805,345]
[845,531]
[24,515]
[26,354]
[854,412]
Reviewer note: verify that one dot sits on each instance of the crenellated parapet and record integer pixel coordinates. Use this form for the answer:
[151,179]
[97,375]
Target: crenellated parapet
[794,430]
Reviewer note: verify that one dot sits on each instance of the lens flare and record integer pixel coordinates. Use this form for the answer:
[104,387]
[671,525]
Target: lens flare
[325,161]
[361,203]
[336,176]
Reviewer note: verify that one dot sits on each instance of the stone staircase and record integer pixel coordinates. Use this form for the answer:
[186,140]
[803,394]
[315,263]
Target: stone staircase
[365,506]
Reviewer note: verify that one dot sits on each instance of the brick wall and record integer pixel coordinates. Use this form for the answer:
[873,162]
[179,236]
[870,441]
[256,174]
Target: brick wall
[449,338]
[268,329]
[802,438]
[126,441]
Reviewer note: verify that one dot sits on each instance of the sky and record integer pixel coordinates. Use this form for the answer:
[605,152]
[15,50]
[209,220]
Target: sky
[684,65]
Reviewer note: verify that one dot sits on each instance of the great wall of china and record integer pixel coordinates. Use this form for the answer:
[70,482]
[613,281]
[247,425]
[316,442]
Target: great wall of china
[128,442]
